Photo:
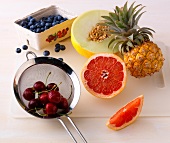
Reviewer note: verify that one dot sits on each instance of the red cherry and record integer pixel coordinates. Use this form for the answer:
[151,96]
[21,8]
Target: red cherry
[50,108]
[34,103]
[54,96]
[44,98]
[39,86]
[63,104]
[29,94]
[53,86]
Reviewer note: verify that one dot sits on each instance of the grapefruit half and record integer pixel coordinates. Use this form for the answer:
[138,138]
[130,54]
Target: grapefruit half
[126,115]
[104,75]
[80,29]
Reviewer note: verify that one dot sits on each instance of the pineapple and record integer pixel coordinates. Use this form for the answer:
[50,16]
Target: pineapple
[141,56]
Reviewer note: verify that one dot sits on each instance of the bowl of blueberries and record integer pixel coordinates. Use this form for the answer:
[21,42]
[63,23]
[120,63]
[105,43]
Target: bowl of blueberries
[44,27]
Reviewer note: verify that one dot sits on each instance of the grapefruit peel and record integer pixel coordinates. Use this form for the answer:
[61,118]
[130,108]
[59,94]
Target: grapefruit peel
[115,122]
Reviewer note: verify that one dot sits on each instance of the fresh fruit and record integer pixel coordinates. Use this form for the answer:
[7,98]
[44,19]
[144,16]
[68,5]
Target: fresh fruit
[46,53]
[24,47]
[51,109]
[141,56]
[126,115]
[62,47]
[44,98]
[54,96]
[29,94]
[42,24]
[104,75]
[39,86]
[34,103]
[61,59]
[63,104]
[59,47]
[80,30]
[52,86]
[18,50]
[49,98]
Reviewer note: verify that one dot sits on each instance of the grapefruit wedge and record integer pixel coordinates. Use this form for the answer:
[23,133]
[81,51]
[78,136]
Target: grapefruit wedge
[80,29]
[104,75]
[126,115]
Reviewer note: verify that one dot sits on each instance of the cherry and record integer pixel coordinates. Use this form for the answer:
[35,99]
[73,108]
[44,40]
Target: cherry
[54,96]
[51,108]
[63,104]
[44,98]
[34,103]
[52,86]
[39,86]
[29,94]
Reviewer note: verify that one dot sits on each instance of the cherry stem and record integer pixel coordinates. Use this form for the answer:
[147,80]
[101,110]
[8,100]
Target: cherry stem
[47,78]
[36,110]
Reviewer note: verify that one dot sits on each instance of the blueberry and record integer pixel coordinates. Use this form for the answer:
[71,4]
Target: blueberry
[32,27]
[57,45]
[46,53]
[49,20]
[42,29]
[48,24]
[46,27]
[30,23]
[43,19]
[59,17]
[23,23]
[65,19]
[42,23]
[25,26]
[24,47]
[38,30]
[62,47]
[61,21]
[61,59]
[32,20]
[57,48]
[18,50]
[54,23]
[29,18]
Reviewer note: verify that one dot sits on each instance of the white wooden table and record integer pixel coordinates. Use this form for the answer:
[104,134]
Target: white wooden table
[17,126]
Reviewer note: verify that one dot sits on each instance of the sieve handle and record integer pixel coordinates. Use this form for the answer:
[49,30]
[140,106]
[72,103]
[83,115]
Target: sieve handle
[68,131]
[76,128]
[32,53]
[66,128]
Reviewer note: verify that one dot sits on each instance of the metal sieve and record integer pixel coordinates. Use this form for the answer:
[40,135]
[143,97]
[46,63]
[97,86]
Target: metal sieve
[36,69]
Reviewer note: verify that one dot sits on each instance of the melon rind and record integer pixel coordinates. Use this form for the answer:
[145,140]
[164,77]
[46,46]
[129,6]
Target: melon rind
[113,127]
[80,29]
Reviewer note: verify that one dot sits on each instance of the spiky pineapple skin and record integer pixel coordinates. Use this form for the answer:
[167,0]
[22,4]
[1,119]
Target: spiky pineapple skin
[144,60]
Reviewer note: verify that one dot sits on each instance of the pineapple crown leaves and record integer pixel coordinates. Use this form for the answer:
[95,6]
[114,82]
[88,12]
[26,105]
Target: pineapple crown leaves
[123,25]
[124,18]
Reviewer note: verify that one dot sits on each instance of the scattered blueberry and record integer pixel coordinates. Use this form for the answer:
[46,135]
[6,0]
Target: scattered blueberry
[57,49]
[24,47]
[46,53]
[62,47]
[61,59]
[57,45]
[18,50]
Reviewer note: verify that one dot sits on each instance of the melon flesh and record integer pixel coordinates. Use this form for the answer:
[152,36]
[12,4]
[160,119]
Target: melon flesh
[80,31]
